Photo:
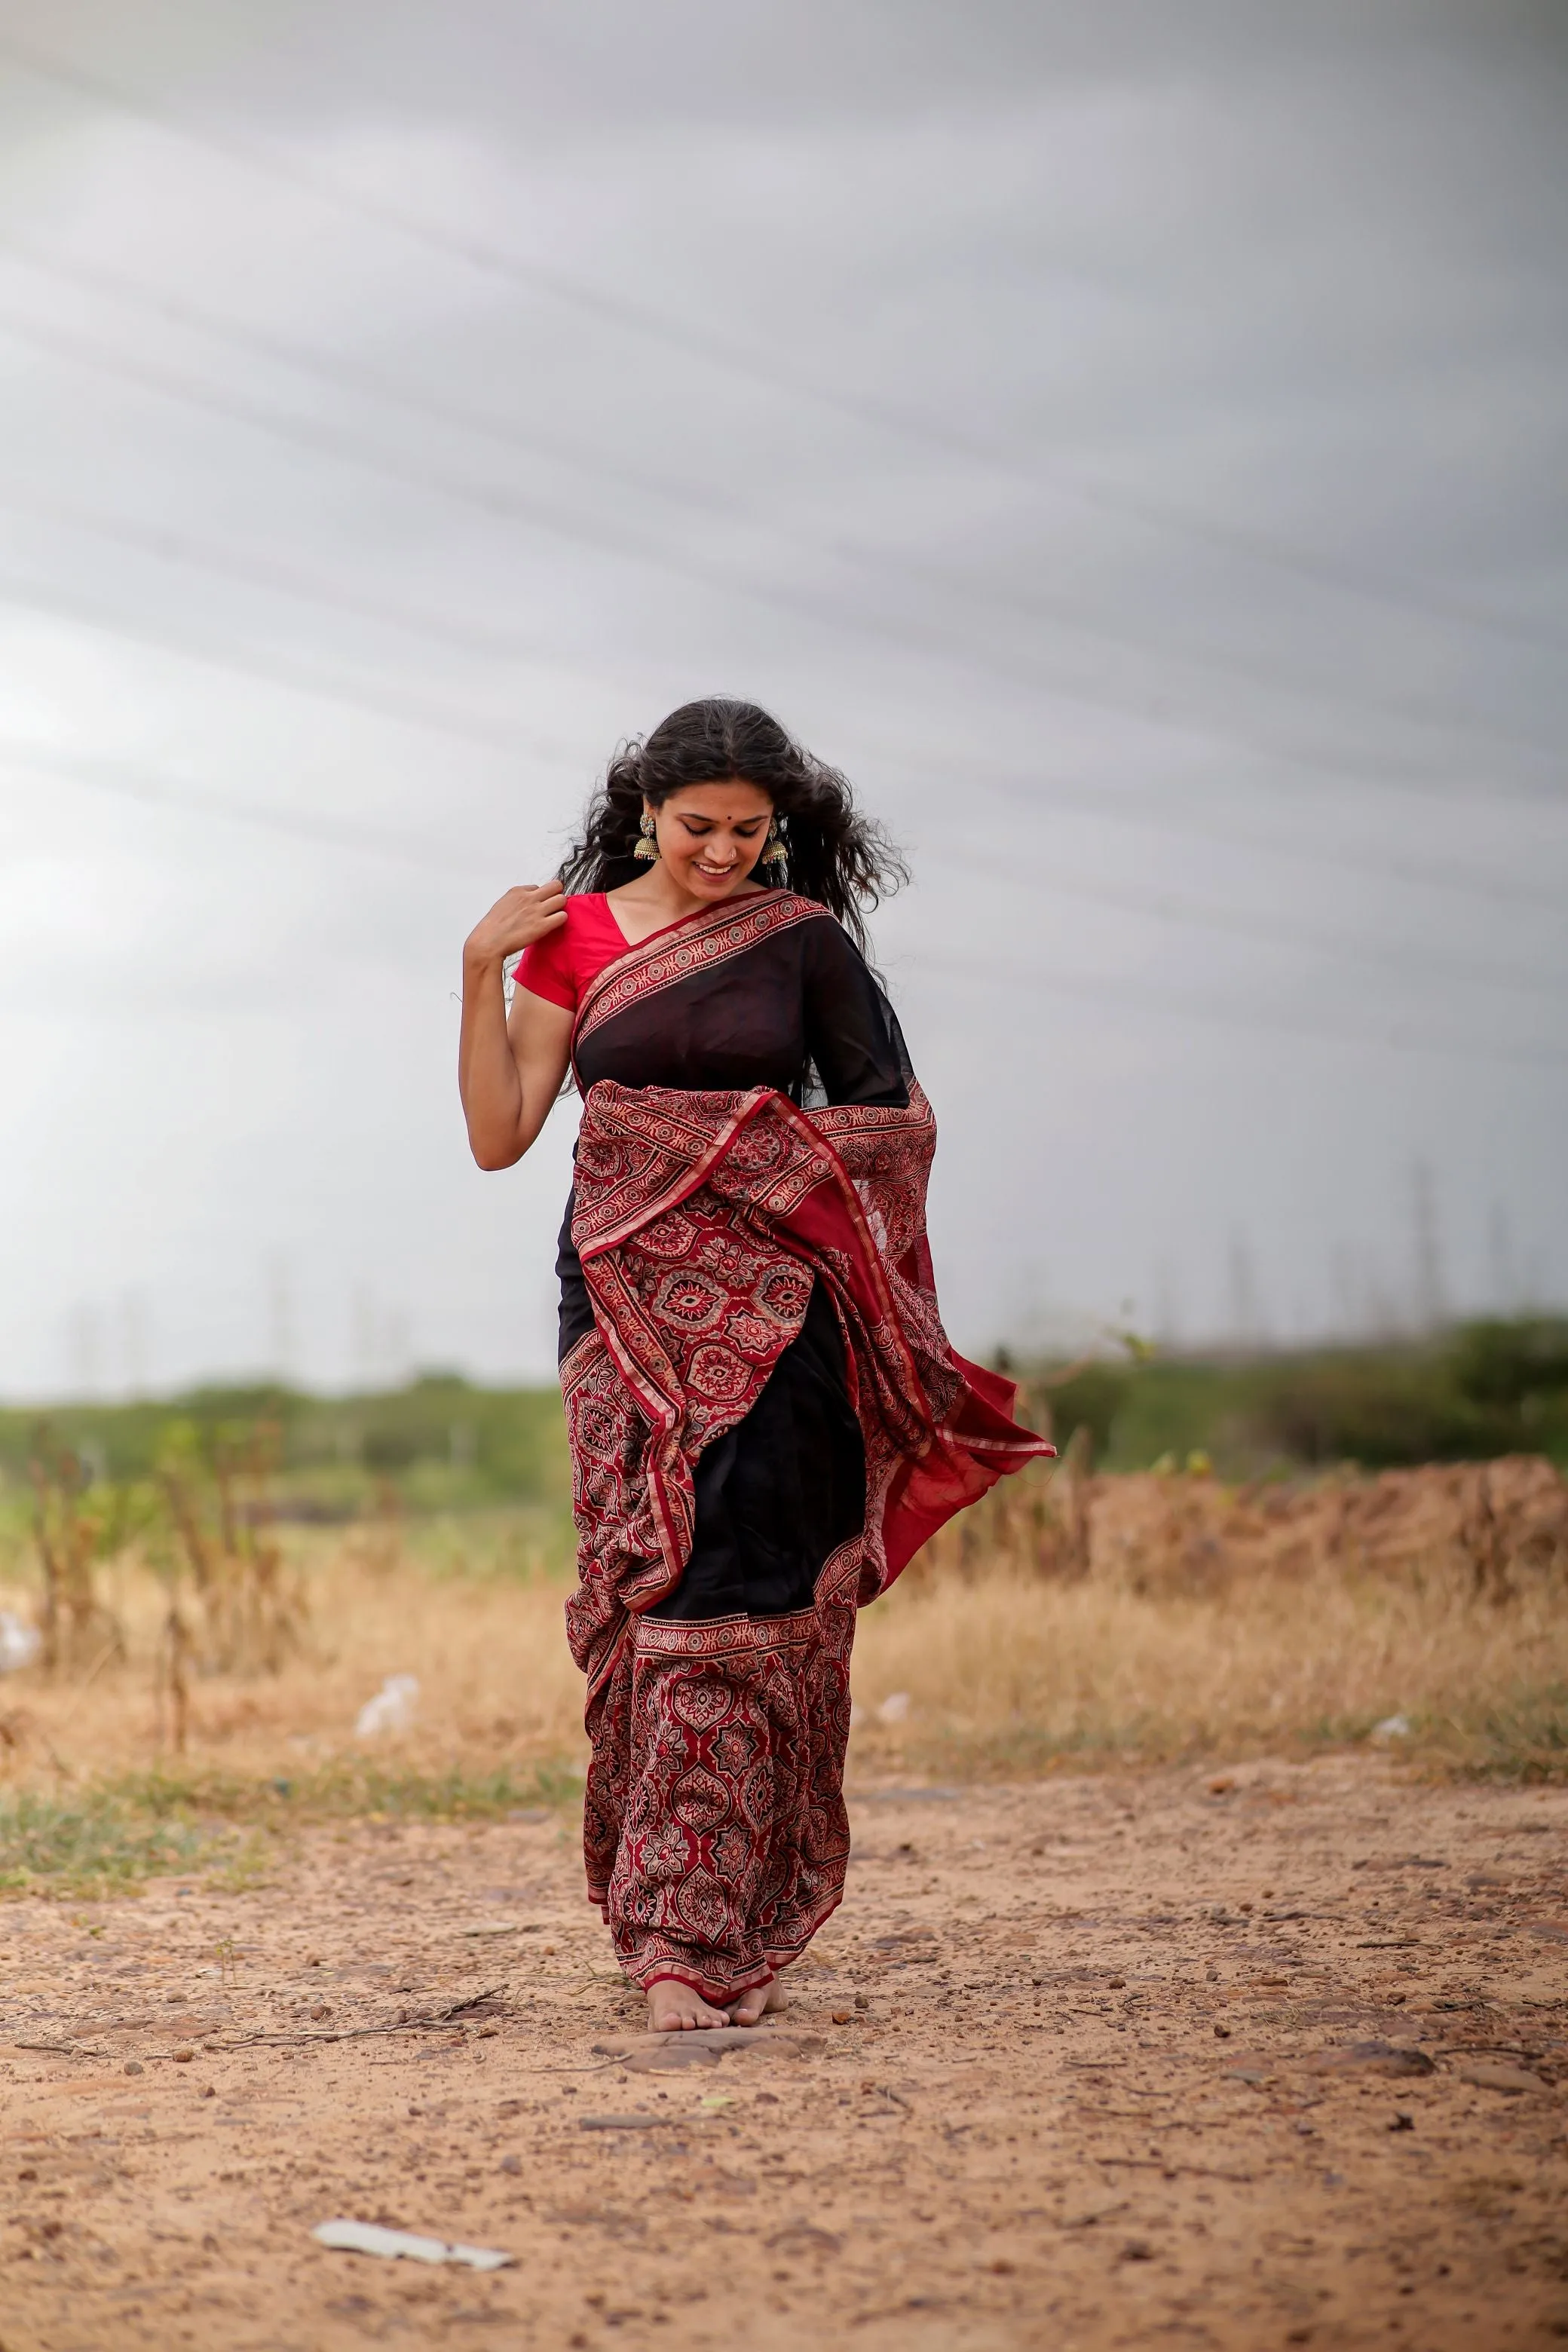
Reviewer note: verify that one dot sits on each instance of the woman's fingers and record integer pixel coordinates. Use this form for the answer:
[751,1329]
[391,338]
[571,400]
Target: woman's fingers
[526,912]
[535,911]
[532,898]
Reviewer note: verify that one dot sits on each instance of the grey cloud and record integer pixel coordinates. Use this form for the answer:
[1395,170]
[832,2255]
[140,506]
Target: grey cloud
[1128,436]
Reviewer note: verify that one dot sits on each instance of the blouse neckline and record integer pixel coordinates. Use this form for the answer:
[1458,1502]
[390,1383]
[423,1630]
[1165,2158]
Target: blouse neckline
[628,945]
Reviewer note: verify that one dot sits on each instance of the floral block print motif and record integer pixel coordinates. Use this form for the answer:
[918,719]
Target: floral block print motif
[717,1836]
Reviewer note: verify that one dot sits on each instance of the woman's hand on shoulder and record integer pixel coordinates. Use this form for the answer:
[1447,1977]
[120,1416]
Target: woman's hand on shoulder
[529,912]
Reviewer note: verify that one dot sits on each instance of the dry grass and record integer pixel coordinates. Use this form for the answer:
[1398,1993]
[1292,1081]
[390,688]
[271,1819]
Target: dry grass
[1134,1620]
[497,1686]
[1005,1673]
[1150,1617]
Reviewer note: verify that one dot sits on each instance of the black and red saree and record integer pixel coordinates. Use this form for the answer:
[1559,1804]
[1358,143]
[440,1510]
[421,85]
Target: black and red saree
[767,1420]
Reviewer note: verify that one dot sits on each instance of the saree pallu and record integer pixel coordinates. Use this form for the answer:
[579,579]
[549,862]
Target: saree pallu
[714,1826]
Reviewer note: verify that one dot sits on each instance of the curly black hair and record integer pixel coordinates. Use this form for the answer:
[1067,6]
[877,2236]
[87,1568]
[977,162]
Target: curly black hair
[843,860]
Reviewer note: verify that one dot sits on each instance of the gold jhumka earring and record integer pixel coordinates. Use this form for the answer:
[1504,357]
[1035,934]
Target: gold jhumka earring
[775,854]
[648,847]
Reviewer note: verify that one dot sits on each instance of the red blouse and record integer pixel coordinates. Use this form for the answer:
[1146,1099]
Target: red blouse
[560,966]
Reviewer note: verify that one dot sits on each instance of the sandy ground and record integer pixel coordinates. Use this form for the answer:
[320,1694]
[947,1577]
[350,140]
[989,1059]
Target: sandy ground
[1074,2066]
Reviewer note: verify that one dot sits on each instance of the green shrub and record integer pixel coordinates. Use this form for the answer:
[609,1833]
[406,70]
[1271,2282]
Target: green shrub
[1485,1389]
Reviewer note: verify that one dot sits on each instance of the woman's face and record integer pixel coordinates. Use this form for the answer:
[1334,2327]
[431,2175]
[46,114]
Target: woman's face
[711,835]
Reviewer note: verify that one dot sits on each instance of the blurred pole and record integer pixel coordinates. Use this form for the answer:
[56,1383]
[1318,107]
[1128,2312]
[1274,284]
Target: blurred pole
[279,1319]
[1431,1306]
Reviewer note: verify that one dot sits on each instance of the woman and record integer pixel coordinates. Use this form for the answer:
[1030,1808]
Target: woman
[765,1418]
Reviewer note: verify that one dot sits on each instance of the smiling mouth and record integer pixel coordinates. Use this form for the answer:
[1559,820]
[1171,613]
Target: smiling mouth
[714,873]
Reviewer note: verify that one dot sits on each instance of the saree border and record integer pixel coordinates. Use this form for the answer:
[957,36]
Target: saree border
[722,1637]
[574,1365]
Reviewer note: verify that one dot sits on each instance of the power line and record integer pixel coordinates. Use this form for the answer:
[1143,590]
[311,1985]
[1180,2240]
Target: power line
[290,580]
[495,503]
[1132,809]
[354,375]
[155,790]
[315,678]
[1076,985]
[152,787]
[695,339]
[1122,807]
[331,369]
[1272,929]
[293,580]
[1144,812]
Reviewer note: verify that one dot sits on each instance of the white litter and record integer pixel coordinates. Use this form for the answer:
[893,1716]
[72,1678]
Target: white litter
[393,1709]
[1392,1726]
[370,2238]
[19,1642]
[895,1709]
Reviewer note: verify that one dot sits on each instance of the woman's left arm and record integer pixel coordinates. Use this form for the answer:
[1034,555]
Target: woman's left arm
[851,1032]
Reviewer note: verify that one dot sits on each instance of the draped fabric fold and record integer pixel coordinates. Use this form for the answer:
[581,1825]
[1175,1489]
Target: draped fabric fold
[715,1831]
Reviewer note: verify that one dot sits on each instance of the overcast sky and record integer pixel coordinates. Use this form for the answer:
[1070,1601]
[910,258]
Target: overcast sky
[1129,439]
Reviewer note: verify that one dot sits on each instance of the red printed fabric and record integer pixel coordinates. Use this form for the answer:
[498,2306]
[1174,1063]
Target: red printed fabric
[715,1831]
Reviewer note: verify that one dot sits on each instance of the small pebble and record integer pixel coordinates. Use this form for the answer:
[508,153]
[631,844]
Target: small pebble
[184,2057]
[134,2067]
[1493,2075]
[1222,2033]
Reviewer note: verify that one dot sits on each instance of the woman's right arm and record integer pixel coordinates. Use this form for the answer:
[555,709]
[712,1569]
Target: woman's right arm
[510,1072]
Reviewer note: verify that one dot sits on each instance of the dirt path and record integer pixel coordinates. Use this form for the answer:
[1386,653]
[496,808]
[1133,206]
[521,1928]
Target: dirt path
[1063,2085]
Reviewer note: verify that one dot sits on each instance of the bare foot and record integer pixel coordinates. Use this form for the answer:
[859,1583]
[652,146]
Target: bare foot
[754,2006]
[676,2008]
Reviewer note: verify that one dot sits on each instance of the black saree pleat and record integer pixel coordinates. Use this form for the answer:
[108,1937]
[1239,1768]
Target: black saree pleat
[779,1493]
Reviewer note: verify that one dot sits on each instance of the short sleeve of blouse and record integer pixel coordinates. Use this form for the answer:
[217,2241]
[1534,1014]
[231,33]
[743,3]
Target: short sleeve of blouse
[544,968]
